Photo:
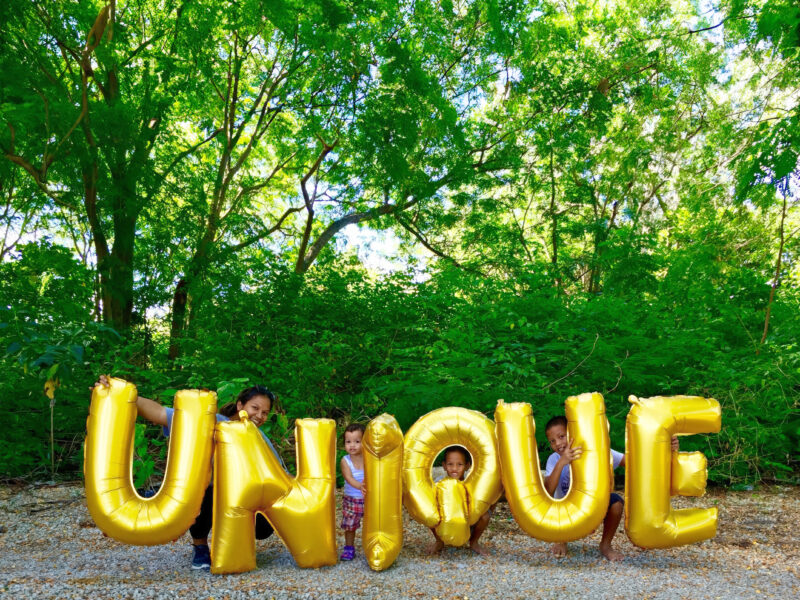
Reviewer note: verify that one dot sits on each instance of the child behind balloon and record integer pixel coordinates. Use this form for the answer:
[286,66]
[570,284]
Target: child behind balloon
[457,462]
[557,482]
[352,466]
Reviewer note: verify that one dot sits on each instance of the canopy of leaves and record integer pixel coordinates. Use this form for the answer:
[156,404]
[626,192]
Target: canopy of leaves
[583,196]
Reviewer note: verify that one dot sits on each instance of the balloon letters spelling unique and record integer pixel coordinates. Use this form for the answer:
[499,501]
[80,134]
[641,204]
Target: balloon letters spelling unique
[382,534]
[108,453]
[249,478]
[583,508]
[653,472]
[431,434]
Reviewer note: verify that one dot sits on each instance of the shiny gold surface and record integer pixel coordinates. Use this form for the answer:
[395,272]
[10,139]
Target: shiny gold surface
[382,533]
[112,500]
[585,505]
[651,476]
[431,434]
[451,496]
[249,478]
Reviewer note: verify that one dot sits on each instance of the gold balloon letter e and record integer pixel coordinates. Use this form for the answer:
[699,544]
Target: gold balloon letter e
[652,472]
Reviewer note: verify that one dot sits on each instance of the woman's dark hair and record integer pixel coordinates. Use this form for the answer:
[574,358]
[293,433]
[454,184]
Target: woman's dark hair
[354,427]
[247,394]
[462,450]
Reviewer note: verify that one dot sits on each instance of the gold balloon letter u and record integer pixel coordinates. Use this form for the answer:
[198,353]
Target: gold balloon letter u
[113,502]
[583,508]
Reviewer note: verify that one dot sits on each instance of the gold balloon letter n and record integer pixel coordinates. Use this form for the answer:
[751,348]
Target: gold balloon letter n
[249,478]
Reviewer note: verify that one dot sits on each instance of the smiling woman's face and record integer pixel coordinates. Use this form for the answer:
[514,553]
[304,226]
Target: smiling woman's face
[257,408]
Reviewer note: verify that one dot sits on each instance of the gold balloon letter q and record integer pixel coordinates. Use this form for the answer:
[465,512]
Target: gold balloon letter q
[450,508]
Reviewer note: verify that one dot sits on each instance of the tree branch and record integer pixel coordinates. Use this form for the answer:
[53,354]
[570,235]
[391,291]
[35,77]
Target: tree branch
[266,233]
[417,234]
[351,219]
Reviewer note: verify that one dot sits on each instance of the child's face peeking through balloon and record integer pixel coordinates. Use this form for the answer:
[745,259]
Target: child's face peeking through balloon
[456,463]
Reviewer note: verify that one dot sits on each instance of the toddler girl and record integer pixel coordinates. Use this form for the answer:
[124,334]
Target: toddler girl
[352,466]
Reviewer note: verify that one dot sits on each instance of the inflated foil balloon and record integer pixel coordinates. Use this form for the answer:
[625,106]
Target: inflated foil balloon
[451,496]
[382,534]
[650,521]
[583,508]
[248,478]
[431,434]
[113,502]
[689,474]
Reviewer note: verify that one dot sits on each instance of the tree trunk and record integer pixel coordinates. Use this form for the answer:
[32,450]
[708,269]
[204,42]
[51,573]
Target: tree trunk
[554,217]
[178,318]
[181,299]
[777,278]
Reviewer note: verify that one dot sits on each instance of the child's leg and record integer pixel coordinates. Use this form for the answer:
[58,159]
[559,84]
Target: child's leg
[559,549]
[437,546]
[352,511]
[610,524]
[350,538]
[477,531]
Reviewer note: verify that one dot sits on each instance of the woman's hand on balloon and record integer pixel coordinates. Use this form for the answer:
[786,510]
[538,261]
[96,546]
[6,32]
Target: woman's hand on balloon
[102,380]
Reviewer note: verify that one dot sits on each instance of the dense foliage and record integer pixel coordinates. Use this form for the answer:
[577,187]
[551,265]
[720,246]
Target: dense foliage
[583,196]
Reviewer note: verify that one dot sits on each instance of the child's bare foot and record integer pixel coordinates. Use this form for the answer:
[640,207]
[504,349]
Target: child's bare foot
[436,547]
[559,549]
[610,553]
[476,547]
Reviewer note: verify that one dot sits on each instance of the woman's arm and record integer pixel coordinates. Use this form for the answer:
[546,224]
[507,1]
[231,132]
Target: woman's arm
[348,475]
[152,411]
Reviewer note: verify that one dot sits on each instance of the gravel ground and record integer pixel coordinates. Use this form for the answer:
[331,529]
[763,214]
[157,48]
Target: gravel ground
[50,548]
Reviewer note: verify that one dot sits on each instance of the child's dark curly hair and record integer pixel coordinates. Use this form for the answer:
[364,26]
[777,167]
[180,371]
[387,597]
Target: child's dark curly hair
[354,427]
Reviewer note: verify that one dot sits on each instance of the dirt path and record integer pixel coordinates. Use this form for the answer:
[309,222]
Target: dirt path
[49,547]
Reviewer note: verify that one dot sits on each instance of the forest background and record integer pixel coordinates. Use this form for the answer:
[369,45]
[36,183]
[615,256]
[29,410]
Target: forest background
[377,205]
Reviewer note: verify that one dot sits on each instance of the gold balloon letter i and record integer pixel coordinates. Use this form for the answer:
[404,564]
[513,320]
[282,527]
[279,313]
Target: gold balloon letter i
[382,536]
